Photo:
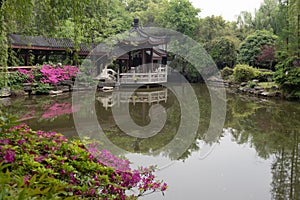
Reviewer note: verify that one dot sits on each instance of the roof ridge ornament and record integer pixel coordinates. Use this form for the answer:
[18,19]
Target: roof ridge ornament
[135,23]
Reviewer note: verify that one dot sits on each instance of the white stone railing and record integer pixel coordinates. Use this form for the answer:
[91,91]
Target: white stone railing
[160,76]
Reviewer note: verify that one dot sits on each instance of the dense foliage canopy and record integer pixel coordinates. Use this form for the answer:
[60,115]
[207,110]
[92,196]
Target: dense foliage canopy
[252,46]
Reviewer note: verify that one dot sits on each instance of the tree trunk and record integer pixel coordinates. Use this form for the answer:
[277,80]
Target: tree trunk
[298,28]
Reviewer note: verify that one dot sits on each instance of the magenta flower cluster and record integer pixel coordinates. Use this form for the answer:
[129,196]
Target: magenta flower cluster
[28,73]
[8,155]
[108,159]
[142,178]
[56,74]
[50,74]
[85,171]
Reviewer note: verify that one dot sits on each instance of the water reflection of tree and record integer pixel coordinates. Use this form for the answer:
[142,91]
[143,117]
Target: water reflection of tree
[272,128]
[286,171]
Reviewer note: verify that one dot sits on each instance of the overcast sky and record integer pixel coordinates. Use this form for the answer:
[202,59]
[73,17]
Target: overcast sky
[229,9]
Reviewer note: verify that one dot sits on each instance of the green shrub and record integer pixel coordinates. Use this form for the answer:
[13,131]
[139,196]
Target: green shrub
[43,88]
[244,73]
[264,76]
[287,76]
[226,72]
[20,191]
[13,80]
[2,80]
[251,84]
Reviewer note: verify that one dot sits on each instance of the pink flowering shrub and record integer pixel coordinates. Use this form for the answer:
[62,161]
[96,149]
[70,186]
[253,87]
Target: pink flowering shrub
[27,73]
[47,165]
[55,74]
[50,74]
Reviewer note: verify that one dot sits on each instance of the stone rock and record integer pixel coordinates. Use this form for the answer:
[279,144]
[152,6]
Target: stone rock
[274,87]
[18,93]
[278,94]
[52,92]
[243,84]
[258,92]
[242,89]
[5,101]
[64,88]
[255,81]
[66,82]
[265,94]
[258,88]
[5,92]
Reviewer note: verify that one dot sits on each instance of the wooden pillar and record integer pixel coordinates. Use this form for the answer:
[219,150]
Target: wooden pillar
[120,65]
[47,57]
[36,56]
[151,56]
[70,57]
[127,65]
[129,61]
[26,60]
[143,57]
[143,61]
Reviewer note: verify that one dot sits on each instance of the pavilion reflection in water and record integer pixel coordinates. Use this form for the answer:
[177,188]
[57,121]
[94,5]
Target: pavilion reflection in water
[117,97]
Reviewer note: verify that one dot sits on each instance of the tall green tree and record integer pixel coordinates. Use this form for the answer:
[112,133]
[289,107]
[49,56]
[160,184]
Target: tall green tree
[215,28]
[245,24]
[119,20]
[268,17]
[222,51]
[210,28]
[288,49]
[179,15]
[148,11]
[14,16]
[289,43]
[134,6]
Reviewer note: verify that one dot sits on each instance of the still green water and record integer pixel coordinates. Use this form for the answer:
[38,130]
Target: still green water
[256,156]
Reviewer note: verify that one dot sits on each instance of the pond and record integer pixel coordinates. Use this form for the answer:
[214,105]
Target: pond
[255,156]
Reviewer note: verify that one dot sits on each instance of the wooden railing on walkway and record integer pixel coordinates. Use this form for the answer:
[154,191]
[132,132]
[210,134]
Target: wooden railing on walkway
[11,69]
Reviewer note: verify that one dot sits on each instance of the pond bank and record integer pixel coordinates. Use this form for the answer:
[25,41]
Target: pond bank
[255,89]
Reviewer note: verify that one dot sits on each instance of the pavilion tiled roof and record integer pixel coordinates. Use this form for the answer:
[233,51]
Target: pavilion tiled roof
[37,42]
[144,36]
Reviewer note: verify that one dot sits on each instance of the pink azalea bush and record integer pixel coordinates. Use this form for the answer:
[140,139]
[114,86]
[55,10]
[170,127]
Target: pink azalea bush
[47,165]
[28,73]
[50,74]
